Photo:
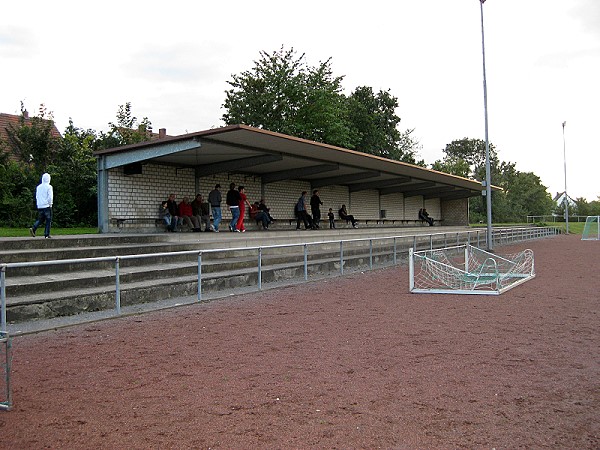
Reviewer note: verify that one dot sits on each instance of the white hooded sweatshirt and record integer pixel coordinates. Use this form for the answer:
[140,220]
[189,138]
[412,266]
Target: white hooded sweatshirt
[44,194]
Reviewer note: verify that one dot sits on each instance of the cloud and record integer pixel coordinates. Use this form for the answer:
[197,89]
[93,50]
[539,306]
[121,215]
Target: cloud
[177,63]
[15,42]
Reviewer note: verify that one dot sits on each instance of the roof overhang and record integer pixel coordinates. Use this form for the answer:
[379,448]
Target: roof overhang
[275,157]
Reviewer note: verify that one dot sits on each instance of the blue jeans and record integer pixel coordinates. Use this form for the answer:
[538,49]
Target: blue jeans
[235,212]
[216,212]
[44,215]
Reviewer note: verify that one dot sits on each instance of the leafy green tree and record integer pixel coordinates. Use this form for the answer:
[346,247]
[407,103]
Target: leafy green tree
[33,140]
[374,118]
[127,130]
[522,192]
[282,93]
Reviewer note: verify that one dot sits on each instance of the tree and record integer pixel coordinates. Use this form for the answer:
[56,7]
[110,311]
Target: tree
[374,118]
[126,131]
[33,140]
[283,94]
[522,192]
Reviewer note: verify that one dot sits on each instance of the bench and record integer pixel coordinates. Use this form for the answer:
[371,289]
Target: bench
[120,221]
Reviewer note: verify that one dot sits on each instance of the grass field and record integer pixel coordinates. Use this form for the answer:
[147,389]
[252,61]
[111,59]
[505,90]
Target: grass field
[24,232]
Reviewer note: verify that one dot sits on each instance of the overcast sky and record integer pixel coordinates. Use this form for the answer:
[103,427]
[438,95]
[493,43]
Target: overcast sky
[172,60]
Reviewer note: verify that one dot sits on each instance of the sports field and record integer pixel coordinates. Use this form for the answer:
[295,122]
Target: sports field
[351,362]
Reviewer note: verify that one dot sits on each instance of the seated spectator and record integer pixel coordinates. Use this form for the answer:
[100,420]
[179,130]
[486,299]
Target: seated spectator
[258,215]
[165,216]
[263,207]
[187,214]
[343,212]
[201,211]
[176,220]
[423,215]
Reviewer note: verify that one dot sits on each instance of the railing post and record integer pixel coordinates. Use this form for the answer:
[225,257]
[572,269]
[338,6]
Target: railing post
[342,257]
[305,262]
[3,298]
[415,242]
[117,287]
[370,254]
[431,240]
[199,276]
[394,251]
[260,268]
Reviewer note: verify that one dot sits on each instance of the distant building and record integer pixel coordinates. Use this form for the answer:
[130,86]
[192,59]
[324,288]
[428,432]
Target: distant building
[15,120]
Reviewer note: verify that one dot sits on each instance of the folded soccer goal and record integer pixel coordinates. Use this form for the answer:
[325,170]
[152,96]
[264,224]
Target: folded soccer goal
[591,229]
[465,269]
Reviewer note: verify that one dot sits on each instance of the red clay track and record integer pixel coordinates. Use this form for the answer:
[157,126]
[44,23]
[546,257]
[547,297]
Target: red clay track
[353,362]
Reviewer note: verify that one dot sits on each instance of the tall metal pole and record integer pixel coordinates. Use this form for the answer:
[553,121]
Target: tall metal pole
[565,160]
[488,183]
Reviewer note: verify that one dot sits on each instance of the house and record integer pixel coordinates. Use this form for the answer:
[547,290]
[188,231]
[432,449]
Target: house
[7,120]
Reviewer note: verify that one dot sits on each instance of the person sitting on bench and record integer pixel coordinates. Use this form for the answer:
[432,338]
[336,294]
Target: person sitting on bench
[424,215]
[258,215]
[343,212]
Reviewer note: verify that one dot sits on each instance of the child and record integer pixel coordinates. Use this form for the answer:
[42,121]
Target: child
[331,218]
[165,215]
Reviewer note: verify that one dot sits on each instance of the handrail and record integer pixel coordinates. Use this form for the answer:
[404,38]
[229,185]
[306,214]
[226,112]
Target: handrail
[502,235]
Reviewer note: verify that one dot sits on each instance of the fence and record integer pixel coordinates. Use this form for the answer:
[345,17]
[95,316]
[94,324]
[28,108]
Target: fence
[554,218]
[500,236]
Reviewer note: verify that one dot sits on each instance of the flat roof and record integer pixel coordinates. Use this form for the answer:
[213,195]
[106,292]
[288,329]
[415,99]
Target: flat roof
[276,157]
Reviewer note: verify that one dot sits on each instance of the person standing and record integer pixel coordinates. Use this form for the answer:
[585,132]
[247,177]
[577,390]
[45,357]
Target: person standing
[176,220]
[233,201]
[301,214]
[315,208]
[44,198]
[243,202]
[214,199]
[331,218]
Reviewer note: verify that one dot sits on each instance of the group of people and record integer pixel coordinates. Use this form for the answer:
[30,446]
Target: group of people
[237,200]
[197,214]
[193,215]
[313,222]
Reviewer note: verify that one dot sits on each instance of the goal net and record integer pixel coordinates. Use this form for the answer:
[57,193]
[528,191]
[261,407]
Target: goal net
[591,230]
[5,361]
[465,269]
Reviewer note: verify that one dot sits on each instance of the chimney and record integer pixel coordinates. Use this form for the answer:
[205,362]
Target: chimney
[162,133]
[25,114]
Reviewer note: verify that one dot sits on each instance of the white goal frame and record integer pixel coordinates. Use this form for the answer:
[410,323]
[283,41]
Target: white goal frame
[591,229]
[465,269]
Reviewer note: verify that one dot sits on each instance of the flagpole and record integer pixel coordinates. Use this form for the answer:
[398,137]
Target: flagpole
[488,184]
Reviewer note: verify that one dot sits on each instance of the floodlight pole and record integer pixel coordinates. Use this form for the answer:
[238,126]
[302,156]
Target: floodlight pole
[565,160]
[488,183]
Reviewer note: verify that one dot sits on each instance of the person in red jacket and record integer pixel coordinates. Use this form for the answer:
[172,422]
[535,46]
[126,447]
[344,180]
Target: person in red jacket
[187,214]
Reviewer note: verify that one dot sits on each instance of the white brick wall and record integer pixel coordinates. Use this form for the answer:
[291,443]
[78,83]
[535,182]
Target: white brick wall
[412,205]
[394,205]
[433,208]
[364,204]
[139,196]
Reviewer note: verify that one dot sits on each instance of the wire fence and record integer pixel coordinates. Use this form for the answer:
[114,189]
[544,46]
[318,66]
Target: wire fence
[397,246]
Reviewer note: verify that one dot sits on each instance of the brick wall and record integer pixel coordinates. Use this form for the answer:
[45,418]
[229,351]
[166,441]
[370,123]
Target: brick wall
[455,212]
[139,196]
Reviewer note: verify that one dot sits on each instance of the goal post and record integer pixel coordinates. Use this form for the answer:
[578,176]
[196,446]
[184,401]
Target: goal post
[465,269]
[591,229]
[5,363]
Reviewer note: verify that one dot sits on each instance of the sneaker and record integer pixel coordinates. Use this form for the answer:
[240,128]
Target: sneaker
[47,237]
[236,230]
[243,231]
[216,231]
[32,232]
[230,227]
[212,227]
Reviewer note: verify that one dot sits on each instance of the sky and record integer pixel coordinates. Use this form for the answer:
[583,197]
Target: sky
[172,61]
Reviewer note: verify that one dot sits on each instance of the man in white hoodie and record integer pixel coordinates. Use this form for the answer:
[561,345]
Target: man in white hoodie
[44,197]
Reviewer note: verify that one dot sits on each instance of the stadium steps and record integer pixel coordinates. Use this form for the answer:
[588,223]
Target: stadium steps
[47,291]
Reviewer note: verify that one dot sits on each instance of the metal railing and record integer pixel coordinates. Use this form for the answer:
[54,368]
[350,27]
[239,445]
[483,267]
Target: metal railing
[501,236]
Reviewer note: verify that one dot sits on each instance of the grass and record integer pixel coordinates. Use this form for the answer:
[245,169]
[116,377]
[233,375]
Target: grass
[24,232]
[574,227]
